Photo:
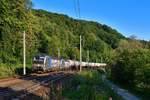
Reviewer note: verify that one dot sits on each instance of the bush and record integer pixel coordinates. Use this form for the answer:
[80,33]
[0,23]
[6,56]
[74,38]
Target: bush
[9,70]
[133,68]
[88,85]
[6,71]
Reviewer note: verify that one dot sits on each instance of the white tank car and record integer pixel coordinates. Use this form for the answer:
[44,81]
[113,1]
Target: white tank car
[67,64]
[55,63]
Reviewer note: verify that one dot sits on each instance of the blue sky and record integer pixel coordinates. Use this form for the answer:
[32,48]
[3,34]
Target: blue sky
[129,17]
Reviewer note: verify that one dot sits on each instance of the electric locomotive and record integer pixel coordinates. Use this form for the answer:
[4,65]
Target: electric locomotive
[41,62]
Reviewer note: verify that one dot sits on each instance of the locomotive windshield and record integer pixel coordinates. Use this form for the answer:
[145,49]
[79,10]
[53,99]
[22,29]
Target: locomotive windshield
[38,60]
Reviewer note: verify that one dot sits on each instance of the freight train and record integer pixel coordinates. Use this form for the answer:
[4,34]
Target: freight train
[43,62]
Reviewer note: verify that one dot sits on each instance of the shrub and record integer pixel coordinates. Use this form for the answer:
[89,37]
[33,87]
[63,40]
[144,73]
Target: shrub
[132,67]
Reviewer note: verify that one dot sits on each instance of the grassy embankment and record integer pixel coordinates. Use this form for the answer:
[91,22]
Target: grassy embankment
[88,85]
[12,70]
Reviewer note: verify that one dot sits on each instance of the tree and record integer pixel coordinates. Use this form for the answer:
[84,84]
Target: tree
[15,18]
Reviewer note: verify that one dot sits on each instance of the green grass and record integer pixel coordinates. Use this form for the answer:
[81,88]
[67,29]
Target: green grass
[88,85]
[7,70]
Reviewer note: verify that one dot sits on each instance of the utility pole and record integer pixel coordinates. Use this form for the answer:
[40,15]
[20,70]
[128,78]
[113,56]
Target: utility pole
[58,57]
[101,60]
[80,53]
[88,57]
[24,53]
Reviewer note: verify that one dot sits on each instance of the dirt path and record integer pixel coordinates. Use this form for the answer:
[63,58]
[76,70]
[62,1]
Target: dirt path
[122,92]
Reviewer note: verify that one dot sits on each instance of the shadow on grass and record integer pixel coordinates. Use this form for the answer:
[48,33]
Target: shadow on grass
[7,93]
[19,70]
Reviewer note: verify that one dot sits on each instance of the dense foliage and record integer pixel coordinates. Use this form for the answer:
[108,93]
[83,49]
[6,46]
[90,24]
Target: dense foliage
[15,17]
[89,85]
[132,66]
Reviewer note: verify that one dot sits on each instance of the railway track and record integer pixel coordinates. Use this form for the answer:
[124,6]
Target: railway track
[23,77]
[39,84]
[18,79]
[29,85]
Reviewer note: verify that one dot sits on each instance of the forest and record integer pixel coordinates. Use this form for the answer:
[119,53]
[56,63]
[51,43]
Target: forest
[47,32]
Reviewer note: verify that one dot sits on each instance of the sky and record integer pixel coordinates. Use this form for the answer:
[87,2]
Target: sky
[129,17]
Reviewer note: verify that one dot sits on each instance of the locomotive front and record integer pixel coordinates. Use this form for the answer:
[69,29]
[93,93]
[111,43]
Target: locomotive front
[40,63]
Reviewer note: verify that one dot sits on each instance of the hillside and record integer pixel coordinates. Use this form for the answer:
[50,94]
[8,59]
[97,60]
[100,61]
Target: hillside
[47,32]
[66,24]
[61,31]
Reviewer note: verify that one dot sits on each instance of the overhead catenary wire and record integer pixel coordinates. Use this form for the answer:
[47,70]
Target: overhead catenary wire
[77,8]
